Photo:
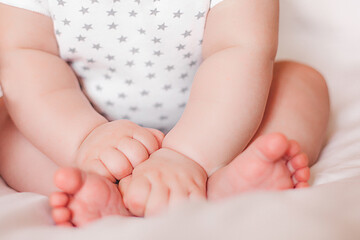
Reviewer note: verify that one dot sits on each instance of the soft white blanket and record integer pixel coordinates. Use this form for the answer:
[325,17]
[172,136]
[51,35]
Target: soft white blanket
[323,33]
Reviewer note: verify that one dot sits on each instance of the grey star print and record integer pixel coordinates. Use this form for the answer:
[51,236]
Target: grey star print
[162,26]
[156,40]
[87,27]
[112,26]
[130,63]
[142,31]
[134,50]
[84,10]
[186,34]
[136,58]
[66,22]
[154,12]
[200,15]
[133,13]
[61,2]
[96,46]
[149,64]
[178,14]
[111,12]
[81,38]
[122,39]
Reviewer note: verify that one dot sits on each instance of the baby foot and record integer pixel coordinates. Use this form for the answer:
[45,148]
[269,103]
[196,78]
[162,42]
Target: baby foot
[271,162]
[85,198]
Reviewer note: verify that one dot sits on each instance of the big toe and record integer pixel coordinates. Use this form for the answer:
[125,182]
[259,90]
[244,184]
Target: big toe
[270,147]
[69,180]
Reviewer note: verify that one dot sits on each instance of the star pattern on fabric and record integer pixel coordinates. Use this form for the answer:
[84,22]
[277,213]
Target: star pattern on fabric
[200,15]
[133,13]
[61,2]
[66,22]
[112,26]
[178,14]
[122,39]
[154,12]
[137,58]
[81,38]
[87,27]
[112,12]
[84,10]
[96,46]
[142,31]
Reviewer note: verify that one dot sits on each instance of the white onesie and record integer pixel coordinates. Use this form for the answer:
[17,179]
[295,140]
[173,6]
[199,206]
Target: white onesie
[135,59]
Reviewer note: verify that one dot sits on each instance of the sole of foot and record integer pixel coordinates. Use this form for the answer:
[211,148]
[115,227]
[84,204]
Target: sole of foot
[271,162]
[85,197]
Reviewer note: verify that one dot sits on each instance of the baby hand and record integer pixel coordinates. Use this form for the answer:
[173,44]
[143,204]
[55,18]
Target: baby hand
[115,148]
[165,179]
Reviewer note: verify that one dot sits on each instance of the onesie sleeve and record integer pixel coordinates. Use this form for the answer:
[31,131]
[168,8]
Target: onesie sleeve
[39,6]
[212,2]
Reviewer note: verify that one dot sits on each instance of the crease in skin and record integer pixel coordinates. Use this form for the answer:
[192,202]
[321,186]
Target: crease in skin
[133,137]
[83,140]
[127,159]
[148,195]
[108,198]
[144,147]
[99,159]
[187,158]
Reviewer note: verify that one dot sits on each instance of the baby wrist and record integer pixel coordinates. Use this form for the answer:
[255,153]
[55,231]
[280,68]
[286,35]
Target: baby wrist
[101,121]
[184,156]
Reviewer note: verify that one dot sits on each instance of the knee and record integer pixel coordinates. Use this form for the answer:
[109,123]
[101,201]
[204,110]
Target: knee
[304,75]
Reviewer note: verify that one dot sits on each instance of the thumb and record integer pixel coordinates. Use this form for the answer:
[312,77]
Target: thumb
[123,184]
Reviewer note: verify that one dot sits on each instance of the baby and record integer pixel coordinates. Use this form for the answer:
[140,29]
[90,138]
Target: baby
[91,87]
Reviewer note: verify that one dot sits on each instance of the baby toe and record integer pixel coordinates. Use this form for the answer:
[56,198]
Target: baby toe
[302,175]
[299,161]
[58,199]
[302,185]
[61,215]
[294,148]
[68,180]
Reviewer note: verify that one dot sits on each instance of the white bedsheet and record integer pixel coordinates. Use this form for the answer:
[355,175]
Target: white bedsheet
[323,33]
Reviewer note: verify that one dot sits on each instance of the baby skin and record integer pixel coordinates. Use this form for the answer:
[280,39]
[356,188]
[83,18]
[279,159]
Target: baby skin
[271,162]
[250,123]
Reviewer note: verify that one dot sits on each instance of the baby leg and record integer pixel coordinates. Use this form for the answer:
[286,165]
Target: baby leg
[26,169]
[298,107]
[22,166]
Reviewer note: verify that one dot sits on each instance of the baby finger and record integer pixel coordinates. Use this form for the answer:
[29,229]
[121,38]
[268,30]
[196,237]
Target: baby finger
[158,199]
[134,150]
[158,135]
[136,195]
[147,138]
[197,194]
[124,184]
[116,163]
